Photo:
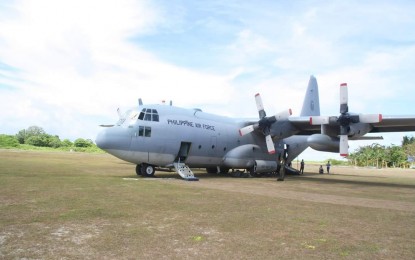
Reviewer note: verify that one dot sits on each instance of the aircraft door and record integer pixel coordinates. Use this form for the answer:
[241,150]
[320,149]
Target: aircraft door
[183,152]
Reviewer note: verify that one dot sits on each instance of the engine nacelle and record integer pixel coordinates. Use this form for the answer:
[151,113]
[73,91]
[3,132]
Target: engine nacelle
[324,143]
[265,166]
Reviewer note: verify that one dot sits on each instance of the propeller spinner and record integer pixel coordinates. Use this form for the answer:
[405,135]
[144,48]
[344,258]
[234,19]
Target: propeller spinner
[345,120]
[264,124]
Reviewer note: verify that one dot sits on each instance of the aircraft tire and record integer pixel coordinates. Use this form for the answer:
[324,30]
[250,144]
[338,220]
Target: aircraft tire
[211,170]
[138,169]
[253,173]
[147,170]
[224,170]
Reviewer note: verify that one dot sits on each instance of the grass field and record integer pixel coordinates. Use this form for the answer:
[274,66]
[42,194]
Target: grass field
[93,206]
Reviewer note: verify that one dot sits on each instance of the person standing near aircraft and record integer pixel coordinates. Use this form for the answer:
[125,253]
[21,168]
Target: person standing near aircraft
[302,167]
[320,170]
[328,167]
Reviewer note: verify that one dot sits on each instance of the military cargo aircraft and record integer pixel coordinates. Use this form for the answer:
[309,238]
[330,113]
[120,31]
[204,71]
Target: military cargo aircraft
[165,136]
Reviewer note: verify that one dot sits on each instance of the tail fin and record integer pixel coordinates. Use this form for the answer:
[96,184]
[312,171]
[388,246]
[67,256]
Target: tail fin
[311,104]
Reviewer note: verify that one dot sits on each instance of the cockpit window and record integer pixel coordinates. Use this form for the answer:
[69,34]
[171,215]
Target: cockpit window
[149,115]
[129,117]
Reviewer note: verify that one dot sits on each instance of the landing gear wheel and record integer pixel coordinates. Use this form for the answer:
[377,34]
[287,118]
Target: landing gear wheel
[281,174]
[253,173]
[147,170]
[138,169]
[211,170]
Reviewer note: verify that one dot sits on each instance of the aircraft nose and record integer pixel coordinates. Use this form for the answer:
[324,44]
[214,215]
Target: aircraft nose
[100,140]
[113,138]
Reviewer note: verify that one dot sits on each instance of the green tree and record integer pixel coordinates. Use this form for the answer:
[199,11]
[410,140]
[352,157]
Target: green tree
[408,140]
[23,135]
[8,141]
[38,140]
[396,156]
[54,141]
[66,143]
[80,142]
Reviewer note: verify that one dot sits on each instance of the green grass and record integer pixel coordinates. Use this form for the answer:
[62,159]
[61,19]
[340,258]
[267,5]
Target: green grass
[76,205]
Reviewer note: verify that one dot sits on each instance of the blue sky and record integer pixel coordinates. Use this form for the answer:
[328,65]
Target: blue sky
[68,65]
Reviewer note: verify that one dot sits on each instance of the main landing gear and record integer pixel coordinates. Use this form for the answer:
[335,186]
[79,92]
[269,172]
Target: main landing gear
[146,170]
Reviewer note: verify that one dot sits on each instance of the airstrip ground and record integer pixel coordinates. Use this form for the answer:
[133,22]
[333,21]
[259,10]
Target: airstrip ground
[93,206]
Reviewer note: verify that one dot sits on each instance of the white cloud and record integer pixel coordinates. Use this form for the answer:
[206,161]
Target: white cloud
[74,62]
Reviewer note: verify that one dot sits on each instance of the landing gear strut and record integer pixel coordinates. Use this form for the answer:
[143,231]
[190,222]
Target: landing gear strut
[281,173]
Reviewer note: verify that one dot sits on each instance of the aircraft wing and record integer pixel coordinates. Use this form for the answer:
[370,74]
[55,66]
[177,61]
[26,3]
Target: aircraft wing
[303,126]
[388,124]
[394,124]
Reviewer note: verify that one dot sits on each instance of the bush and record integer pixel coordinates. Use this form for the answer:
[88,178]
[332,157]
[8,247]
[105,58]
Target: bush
[80,142]
[8,141]
[66,143]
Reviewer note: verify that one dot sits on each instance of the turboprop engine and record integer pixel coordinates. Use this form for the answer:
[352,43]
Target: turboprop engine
[324,143]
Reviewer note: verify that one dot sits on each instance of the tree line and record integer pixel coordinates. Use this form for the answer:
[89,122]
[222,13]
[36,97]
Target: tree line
[381,156]
[37,136]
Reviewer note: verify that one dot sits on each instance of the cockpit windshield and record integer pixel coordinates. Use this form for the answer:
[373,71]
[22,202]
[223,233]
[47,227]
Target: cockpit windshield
[130,116]
[148,114]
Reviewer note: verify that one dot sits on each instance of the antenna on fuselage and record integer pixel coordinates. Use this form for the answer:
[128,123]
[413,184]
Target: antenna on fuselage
[140,102]
[119,113]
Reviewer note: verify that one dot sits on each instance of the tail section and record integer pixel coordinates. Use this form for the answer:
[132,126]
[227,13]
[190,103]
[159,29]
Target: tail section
[311,104]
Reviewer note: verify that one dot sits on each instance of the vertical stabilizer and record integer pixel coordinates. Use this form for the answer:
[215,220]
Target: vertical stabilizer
[311,104]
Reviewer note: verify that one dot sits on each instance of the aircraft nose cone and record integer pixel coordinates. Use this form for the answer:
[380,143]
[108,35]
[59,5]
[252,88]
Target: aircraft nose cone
[101,139]
[113,138]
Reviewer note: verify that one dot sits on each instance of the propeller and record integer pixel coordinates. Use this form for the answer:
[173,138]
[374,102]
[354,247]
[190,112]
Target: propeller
[264,124]
[345,120]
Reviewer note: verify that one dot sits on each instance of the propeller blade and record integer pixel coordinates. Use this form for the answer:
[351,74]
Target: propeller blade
[246,130]
[370,118]
[260,106]
[319,120]
[343,98]
[344,145]
[283,115]
[270,144]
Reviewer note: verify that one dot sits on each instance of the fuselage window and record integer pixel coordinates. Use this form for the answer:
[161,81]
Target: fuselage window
[144,131]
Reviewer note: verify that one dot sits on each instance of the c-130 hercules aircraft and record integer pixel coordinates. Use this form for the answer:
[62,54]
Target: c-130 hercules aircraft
[163,136]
